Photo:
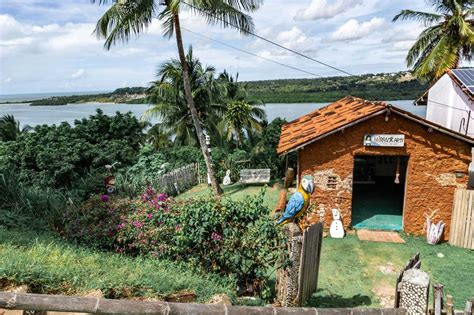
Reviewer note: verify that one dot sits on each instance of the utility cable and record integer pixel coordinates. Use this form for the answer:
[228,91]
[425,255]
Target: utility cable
[269,41]
[251,54]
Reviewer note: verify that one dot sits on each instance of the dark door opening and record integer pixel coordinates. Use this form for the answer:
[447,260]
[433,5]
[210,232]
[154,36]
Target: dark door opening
[377,199]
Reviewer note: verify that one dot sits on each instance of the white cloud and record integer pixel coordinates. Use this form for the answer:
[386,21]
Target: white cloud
[7,80]
[320,9]
[293,38]
[77,74]
[353,30]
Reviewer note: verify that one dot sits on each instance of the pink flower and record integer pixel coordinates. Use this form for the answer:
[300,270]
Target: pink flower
[104,198]
[150,215]
[138,224]
[162,197]
[178,227]
[216,236]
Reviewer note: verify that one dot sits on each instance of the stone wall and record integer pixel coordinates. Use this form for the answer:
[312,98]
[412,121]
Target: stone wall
[433,159]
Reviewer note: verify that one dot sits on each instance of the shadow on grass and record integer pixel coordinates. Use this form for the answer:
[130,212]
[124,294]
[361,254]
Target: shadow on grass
[338,301]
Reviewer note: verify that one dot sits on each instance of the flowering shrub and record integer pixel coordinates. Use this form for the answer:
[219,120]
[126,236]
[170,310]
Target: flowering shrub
[94,222]
[236,239]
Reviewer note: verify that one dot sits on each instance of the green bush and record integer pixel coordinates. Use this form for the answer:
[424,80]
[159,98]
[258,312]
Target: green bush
[236,239]
[94,222]
[22,205]
[59,156]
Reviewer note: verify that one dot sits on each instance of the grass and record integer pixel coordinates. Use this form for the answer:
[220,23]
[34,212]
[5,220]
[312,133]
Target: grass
[47,264]
[236,192]
[350,270]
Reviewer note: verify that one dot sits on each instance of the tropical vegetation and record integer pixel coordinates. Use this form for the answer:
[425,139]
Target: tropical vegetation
[128,18]
[10,128]
[447,40]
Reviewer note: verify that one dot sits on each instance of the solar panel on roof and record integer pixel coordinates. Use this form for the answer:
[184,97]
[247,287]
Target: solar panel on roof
[466,77]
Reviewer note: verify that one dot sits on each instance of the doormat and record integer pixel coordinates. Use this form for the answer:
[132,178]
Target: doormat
[379,236]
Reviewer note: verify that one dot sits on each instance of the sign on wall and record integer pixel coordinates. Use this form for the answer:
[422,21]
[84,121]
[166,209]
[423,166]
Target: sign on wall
[375,140]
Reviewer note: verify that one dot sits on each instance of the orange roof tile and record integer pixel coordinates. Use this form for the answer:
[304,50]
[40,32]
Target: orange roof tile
[346,111]
[325,120]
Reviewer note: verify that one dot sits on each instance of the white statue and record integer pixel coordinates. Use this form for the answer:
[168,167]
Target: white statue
[336,230]
[227,180]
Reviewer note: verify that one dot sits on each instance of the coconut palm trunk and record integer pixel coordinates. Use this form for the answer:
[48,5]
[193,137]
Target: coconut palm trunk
[192,108]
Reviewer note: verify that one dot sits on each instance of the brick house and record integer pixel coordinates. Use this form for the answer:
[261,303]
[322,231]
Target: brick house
[383,167]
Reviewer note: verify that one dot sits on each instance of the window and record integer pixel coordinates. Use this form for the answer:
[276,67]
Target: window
[332,182]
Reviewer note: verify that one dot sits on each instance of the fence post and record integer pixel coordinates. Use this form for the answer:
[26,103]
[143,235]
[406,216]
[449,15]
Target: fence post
[449,305]
[468,308]
[287,278]
[438,298]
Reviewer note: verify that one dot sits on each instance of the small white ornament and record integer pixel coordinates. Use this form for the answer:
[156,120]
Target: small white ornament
[337,229]
[227,180]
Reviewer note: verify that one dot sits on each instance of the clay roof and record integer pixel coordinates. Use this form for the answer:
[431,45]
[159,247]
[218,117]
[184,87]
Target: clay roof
[341,114]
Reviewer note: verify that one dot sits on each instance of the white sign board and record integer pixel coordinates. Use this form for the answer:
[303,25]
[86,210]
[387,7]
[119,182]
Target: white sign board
[375,140]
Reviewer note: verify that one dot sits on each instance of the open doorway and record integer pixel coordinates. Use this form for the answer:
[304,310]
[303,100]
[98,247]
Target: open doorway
[378,194]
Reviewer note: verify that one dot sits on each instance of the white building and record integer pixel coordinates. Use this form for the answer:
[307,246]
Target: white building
[450,101]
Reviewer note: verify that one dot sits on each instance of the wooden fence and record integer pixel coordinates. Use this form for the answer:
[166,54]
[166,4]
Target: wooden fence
[310,258]
[58,303]
[414,262]
[179,179]
[462,221]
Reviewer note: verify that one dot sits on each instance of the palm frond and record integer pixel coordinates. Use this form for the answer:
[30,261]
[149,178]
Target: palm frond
[124,20]
[425,17]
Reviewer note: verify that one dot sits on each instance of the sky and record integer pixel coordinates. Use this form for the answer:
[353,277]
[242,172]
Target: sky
[49,45]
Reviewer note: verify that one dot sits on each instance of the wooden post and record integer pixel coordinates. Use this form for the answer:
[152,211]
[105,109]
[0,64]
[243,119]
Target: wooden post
[449,305]
[287,279]
[469,307]
[438,299]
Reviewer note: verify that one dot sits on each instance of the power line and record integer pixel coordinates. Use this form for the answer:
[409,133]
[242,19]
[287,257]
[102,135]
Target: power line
[252,54]
[270,41]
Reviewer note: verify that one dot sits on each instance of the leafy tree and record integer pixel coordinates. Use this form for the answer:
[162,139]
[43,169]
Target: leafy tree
[240,117]
[10,128]
[126,18]
[61,156]
[448,39]
[159,137]
[171,107]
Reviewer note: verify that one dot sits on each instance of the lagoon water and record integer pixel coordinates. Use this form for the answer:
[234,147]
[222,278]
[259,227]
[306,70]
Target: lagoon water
[38,115]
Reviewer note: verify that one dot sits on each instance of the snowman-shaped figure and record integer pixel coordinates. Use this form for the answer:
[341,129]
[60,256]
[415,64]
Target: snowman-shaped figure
[336,230]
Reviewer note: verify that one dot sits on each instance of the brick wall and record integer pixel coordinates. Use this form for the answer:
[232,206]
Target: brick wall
[434,158]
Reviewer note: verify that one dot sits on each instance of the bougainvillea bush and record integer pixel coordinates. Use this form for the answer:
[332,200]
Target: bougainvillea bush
[237,239]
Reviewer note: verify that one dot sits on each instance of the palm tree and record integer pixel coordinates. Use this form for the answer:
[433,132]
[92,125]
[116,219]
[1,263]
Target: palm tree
[448,39]
[242,117]
[126,18]
[159,137]
[170,102]
[10,128]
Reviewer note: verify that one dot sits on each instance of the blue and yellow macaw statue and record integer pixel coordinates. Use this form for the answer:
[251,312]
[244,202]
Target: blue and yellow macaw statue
[299,201]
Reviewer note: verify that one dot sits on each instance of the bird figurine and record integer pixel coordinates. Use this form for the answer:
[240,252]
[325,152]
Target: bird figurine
[298,202]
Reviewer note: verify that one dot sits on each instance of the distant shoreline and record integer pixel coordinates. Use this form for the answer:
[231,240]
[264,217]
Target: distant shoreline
[374,87]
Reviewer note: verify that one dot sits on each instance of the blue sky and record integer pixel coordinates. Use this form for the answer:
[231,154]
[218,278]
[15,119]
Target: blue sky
[48,45]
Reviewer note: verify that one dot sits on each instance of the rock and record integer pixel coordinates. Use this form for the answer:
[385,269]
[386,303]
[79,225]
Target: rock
[387,269]
[220,299]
